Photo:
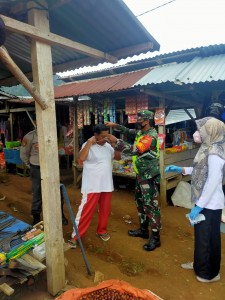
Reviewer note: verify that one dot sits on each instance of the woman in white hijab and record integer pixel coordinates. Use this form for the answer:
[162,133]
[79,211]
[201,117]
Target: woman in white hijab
[207,194]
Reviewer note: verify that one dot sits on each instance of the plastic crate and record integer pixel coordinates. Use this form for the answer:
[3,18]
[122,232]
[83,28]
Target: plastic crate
[12,156]
[10,145]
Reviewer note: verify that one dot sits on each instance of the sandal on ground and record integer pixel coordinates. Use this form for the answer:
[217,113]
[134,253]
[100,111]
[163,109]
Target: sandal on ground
[105,236]
[72,243]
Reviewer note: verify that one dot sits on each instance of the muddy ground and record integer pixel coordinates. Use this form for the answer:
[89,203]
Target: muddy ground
[122,257]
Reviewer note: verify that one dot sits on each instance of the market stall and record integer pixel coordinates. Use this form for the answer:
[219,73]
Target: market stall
[176,144]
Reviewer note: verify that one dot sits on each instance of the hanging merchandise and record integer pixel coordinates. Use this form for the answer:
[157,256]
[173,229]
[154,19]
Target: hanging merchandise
[142,102]
[71,116]
[162,138]
[112,111]
[106,109]
[131,105]
[100,109]
[95,111]
[80,118]
[159,116]
[132,119]
[86,111]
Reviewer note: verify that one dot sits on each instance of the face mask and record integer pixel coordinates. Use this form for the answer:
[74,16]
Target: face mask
[139,125]
[197,137]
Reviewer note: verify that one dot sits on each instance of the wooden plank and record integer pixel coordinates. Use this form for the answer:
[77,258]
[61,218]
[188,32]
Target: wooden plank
[31,260]
[180,156]
[54,39]
[48,154]
[11,110]
[6,289]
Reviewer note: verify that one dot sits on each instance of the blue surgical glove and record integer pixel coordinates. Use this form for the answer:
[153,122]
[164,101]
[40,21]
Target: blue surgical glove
[195,211]
[172,168]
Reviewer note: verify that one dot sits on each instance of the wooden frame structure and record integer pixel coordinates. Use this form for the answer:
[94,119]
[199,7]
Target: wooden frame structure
[43,93]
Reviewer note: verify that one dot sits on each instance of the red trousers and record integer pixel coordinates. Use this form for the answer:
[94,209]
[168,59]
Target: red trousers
[86,211]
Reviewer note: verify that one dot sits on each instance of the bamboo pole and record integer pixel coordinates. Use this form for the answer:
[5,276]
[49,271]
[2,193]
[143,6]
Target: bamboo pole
[19,75]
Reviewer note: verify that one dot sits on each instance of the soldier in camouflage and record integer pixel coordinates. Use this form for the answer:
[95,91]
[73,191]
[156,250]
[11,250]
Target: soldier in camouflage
[145,157]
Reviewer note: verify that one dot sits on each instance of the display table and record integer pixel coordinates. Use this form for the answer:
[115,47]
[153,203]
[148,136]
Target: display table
[170,180]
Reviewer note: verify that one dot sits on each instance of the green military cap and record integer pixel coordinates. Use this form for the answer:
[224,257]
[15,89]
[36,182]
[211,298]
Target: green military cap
[145,114]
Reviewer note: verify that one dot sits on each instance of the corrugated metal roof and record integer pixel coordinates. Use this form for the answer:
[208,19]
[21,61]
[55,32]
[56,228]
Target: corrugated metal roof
[100,85]
[179,115]
[153,61]
[200,69]
[108,26]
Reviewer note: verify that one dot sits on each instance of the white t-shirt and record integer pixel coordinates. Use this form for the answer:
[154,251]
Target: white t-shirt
[212,196]
[97,170]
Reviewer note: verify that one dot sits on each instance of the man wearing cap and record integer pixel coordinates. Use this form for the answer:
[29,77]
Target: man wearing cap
[145,157]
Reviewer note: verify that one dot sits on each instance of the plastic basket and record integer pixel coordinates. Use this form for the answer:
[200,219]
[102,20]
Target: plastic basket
[12,156]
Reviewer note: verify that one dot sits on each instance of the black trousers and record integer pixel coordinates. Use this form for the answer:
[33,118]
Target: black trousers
[35,174]
[207,251]
[36,207]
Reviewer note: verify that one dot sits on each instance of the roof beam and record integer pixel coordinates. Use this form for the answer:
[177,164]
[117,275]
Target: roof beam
[54,39]
[132,50]
[168,97]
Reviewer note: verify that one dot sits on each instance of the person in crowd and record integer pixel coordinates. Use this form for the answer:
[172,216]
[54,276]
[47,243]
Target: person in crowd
[145,157]
[207,194]
[97,183]
[29,154]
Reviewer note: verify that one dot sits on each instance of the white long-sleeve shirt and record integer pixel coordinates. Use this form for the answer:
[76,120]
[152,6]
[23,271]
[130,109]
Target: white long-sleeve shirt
[212,196]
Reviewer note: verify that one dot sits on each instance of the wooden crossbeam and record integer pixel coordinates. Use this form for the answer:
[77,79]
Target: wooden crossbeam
[54,39]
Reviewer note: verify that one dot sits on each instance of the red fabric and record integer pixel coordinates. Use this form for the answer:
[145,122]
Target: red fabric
[93,199]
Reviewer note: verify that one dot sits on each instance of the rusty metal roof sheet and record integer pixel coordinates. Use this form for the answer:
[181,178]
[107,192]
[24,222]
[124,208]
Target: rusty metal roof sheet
[100,85]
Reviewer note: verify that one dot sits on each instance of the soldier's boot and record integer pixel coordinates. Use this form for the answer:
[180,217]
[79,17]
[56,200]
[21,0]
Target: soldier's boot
[154,241]
[64,219]
[140,232]
[36,218]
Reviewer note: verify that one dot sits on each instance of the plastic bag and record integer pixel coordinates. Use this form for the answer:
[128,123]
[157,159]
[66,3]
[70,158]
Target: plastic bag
[113,284]
[182,195]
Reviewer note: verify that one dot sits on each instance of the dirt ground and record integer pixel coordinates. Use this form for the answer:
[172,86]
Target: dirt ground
[122,257]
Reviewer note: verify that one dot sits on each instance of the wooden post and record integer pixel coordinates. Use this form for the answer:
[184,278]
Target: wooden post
[11,126]
[161,129]
[48,151]
[76,146]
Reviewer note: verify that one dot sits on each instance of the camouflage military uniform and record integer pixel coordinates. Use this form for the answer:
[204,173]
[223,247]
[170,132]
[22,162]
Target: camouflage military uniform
[146,166]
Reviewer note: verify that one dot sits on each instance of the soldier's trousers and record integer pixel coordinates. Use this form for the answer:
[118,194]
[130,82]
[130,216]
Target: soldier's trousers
[146,194]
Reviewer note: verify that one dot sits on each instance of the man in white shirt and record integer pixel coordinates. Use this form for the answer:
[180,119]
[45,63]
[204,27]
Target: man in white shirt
[97,183]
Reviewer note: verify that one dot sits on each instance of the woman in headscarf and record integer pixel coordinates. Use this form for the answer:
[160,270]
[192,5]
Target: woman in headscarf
[208,197]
